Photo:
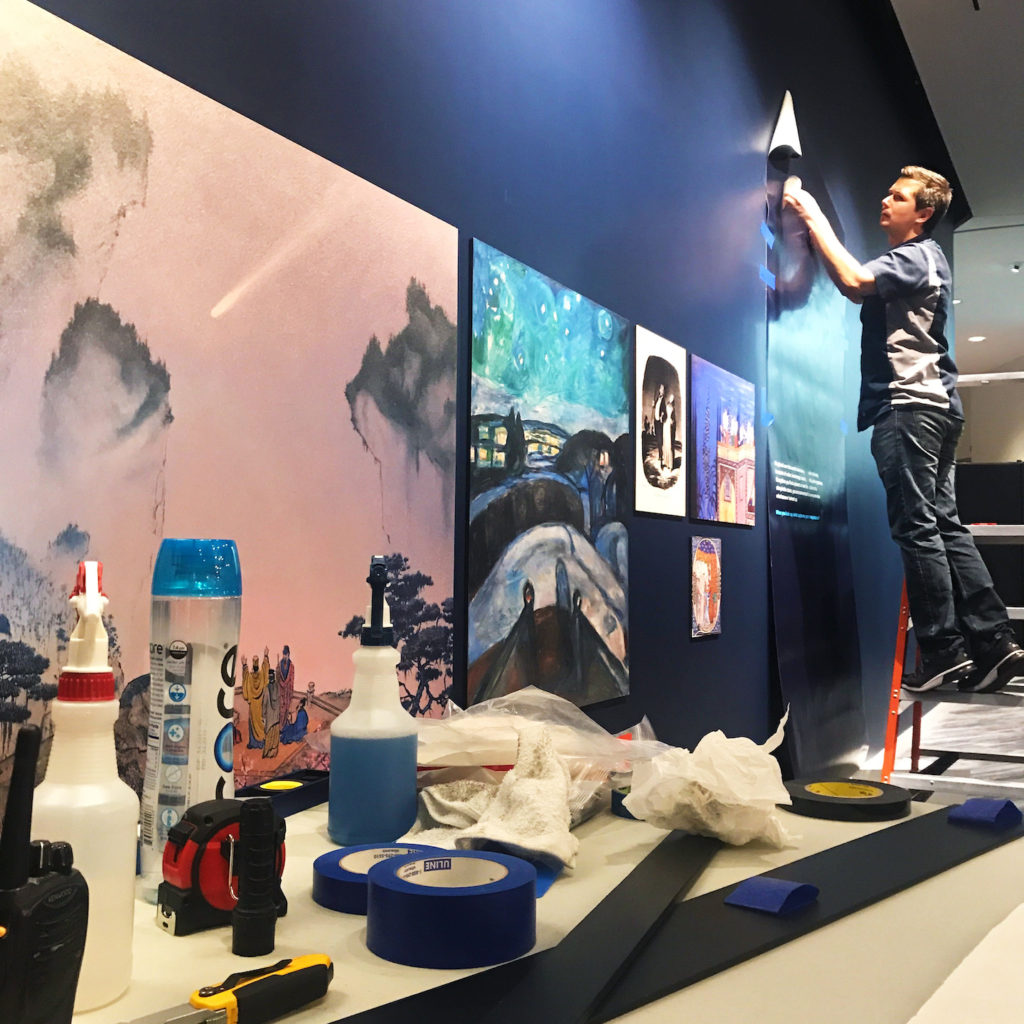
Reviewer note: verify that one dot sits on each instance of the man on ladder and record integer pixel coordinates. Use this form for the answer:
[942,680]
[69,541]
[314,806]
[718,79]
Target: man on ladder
[908,396]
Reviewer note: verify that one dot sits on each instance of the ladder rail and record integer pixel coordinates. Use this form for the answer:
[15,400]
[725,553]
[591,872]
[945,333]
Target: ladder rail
[893,721]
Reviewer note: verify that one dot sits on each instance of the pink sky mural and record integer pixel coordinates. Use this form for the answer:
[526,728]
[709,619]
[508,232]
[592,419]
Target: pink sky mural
[256,274]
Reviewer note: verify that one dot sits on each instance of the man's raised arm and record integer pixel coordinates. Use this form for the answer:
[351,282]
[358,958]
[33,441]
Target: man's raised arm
[848,274]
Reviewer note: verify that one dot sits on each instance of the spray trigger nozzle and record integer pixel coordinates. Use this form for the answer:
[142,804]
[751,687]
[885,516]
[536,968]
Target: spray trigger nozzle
[87,648]
[378,631]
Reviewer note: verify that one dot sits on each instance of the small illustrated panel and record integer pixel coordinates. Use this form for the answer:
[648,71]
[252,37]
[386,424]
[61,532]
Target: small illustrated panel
[706,586]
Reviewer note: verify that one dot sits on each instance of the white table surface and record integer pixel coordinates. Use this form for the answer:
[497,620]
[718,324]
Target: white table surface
[879,965]
[977,989]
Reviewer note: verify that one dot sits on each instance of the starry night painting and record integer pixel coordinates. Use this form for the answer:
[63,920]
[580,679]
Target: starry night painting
[722,457]
[550,474]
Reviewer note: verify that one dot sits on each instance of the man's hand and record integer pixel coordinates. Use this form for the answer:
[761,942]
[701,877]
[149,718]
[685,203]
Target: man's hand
[796,198]
[846,272]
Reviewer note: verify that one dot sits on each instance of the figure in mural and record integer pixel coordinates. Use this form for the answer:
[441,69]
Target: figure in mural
[286,682]
[701,586]
[908,397]
[271,711]
[254,684]
[295,731]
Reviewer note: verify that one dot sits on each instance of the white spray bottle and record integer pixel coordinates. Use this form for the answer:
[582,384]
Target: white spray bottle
[372,796]
[83,801]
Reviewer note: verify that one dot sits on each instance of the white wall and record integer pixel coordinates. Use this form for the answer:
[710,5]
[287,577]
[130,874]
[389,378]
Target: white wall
[995,422]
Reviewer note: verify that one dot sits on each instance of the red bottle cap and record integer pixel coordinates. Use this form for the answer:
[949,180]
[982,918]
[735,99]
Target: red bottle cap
[85,686]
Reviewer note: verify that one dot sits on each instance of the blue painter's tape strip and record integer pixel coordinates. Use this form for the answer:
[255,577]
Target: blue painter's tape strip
[454,909]
[339,877]
[768,277]
[546,876]
[548,870]
[989,813]
[768,235]
[772,895]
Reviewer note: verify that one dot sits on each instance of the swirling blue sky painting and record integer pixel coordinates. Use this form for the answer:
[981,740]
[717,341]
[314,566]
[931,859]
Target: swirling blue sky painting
[549,482]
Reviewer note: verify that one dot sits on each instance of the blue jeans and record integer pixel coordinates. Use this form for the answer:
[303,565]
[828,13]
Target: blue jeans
[952,602]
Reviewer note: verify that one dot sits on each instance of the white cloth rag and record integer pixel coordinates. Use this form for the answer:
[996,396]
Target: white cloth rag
[527,814]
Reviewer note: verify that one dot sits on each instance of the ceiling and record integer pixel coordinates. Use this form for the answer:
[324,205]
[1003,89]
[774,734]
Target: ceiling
[970,59]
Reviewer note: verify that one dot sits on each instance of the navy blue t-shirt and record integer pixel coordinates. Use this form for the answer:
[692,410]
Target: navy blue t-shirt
[904,355]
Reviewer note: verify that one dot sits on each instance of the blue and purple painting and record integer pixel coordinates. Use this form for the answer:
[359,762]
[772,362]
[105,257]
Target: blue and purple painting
[722,456]
[550,476]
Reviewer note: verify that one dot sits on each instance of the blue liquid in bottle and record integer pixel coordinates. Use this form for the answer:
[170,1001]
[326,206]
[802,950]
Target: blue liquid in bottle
[372,789]
[372,796]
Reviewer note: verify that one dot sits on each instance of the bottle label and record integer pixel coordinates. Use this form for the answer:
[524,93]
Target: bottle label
[189,753]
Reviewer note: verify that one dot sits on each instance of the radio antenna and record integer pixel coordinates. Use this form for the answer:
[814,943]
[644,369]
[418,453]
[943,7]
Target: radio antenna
[14,840]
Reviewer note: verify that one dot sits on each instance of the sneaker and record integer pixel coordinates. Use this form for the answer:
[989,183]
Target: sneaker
[936,672]
[1003,661]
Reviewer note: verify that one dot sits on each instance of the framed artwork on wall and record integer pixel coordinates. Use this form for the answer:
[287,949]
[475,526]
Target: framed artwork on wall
[705,586]
[547,550]
[660,425]
[722,459]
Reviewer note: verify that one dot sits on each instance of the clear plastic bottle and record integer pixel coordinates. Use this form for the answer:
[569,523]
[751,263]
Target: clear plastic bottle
[372,796]
[193,646]
[83,801]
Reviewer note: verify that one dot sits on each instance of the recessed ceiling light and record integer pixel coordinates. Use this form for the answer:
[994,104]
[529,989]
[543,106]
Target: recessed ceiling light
[1015,269]
[977,337]
[956,302]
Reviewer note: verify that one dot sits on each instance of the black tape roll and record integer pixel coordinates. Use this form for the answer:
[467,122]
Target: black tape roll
[848,799]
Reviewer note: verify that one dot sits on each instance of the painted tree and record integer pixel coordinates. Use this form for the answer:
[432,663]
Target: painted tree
[21,669]
[423,635]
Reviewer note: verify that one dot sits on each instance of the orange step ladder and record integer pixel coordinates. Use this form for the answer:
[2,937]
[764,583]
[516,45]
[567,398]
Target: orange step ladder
[893,721]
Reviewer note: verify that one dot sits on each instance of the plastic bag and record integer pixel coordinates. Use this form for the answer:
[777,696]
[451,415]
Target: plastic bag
[727,788]
[487,735]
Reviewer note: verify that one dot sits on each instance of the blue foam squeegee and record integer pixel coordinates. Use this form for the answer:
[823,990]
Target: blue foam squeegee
[986,812]
[772,895]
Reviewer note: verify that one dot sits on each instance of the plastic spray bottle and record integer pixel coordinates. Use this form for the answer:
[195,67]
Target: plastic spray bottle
[84,802]
[373,741]
[193,645]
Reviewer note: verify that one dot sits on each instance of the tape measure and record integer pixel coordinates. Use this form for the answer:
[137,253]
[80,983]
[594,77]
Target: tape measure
[462,908]
[200,886]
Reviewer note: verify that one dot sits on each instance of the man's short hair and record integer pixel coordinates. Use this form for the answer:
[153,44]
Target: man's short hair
[934,192]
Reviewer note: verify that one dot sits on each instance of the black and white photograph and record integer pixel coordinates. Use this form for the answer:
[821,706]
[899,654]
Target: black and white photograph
[660,425]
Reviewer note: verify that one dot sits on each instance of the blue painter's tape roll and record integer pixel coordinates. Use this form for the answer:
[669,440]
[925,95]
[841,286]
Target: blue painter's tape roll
[339,877]
[462,908]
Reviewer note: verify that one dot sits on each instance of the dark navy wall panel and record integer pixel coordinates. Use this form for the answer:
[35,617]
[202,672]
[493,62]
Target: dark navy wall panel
[619,147]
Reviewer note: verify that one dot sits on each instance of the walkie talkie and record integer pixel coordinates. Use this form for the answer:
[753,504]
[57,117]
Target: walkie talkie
[44,907]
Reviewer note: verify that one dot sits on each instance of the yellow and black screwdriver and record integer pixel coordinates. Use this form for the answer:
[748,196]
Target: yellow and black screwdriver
[253,997]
